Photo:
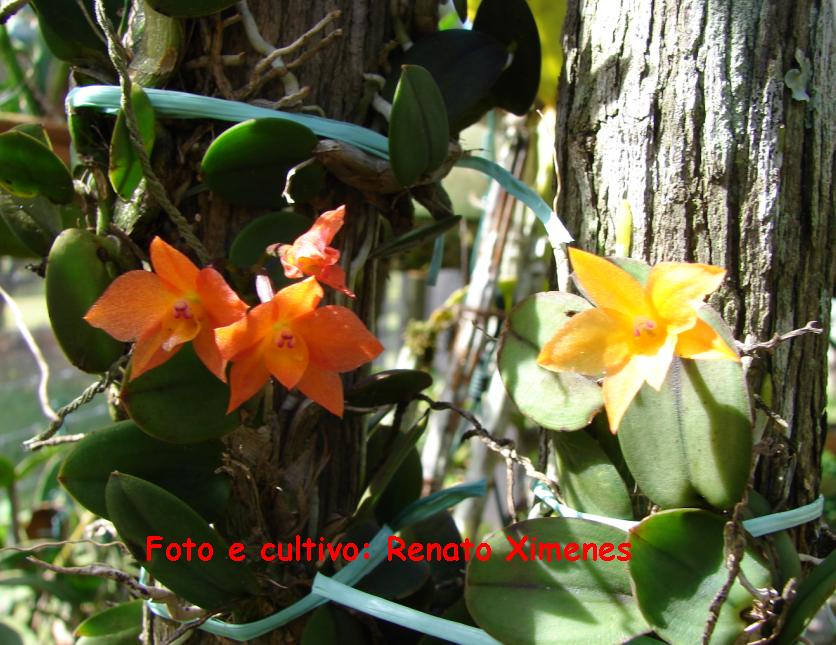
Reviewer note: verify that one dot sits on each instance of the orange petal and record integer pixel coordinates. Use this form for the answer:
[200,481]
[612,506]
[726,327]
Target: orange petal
[337,339]
[590,342]
[702,342]
[620,389]
[288,260]
[221,303]
[327,226]
[334,276]
[609,286]
[297,299]
[132,304]
[324,387]
[677,288]
[246,332]
[246,378]
[148,352]
[173,267]
[288,362]
[207,351]
[176,331]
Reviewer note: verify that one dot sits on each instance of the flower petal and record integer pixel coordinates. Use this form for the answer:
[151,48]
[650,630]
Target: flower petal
[207,351]
[326,226]
[221,303]
[324,387]
[590,342]
[334,276]
[288,260]
[246,332]
[677,288]
[174,268]
[297,299]
[620,389]
[132,304]
[246,378]
[337,339]
[609,286]
[702,342]
[288,362]
[148,352]
[655,366]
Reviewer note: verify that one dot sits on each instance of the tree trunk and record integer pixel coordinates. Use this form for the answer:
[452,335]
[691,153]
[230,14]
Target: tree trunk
[302,472]
[681,109]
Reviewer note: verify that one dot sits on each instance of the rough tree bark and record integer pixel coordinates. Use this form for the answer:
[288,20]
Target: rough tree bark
[681,108]
[301,473]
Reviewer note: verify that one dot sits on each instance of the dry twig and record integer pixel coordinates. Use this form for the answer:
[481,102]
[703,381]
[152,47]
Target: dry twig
[812,327]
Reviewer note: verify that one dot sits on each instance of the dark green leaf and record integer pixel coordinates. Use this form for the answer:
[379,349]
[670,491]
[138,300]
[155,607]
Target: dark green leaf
[388,387]
[140,509]
[186,471]
[512,24]
[119,625]
[465,65]
[125,171]
[180,401]
[248,248]
[29,168]
[414,237]
[418,127]
[77,273]
[190,8]
[248,164]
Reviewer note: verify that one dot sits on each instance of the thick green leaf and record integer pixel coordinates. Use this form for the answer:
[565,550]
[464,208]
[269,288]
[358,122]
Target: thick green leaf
[414,237]
[418,127]
[465,65]
[691,443]
[588,479]
[180,401]
[35,222]
[7,472]
[812,593]
[119,625]
[538,601]
[71,32]
[125,171]
[190,8]
[512,24]
[140,509]
[77,272]
[403,489]
[186,471]
[563,401]
[333,624]
[248,248]
[677,568]
[388,387]
[447,576]
[248,164]
[29,168]
[11,244]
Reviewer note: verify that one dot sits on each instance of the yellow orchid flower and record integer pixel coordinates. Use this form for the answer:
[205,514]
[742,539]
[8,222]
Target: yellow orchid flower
[635,331]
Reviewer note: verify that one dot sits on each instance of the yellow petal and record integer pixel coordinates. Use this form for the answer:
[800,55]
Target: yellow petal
[677,288]
[620,389]
[286,357]
[609,286]
[702,342]
[655,366]
[590,342]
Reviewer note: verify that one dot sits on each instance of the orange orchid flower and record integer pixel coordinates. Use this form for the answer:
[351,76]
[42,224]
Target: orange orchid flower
[310,254]
[301,345]
[176,304]
[635,331]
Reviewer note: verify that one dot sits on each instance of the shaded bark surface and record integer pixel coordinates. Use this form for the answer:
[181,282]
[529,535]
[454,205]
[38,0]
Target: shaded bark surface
[681,109]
